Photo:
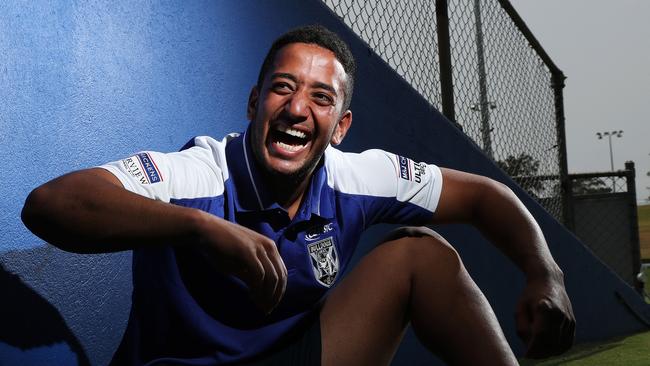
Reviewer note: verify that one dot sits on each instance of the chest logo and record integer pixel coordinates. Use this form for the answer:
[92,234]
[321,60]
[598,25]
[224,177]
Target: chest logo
[318,231]
[324,261]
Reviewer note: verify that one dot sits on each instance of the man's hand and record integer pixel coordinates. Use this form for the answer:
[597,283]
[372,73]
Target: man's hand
[545,318]
[74,211]
[252,257]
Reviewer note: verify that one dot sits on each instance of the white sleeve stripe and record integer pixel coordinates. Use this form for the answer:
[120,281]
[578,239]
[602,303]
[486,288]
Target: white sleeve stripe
[250,174]
[199,171]
[378,173]
[437,188]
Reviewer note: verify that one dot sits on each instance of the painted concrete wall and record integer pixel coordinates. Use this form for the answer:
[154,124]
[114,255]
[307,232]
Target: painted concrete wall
[82,83]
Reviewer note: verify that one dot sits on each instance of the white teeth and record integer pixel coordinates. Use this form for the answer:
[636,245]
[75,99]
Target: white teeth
[289,147]
[291,131]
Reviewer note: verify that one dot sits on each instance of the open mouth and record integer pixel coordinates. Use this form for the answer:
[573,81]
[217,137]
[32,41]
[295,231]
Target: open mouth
[289,139]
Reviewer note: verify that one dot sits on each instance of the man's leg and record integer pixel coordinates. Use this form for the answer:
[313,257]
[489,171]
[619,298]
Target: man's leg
[419,279]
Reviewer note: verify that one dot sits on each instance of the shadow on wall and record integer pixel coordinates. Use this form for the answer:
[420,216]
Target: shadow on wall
[32,328]
[62,308]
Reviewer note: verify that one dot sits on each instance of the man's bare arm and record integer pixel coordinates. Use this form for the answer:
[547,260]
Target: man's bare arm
[544,315]
[89,211]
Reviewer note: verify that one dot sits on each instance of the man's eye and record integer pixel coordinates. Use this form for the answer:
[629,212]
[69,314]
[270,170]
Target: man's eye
[323,99]
[281,87]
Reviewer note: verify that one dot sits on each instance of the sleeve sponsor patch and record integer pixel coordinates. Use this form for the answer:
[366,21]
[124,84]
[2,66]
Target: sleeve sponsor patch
[143,168]
[410,170]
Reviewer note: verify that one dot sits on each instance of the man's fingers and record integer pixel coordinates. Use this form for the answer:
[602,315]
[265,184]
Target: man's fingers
[547,331]
[274,282]
[568,335]
[253,275]
[254,259]
[281,271]
[545,319]
[269,283]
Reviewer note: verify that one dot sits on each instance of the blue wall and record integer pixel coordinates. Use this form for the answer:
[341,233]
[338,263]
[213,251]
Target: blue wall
[89,82]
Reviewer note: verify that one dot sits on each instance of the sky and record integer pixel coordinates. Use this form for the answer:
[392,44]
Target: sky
[603,48]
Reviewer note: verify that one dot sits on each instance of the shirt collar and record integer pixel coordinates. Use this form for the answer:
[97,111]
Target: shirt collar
[253,195]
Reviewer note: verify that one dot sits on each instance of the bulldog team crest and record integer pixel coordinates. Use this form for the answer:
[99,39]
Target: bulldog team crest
[324,261]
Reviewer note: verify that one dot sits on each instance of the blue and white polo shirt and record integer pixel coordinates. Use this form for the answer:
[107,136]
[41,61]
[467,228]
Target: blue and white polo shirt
[184,311]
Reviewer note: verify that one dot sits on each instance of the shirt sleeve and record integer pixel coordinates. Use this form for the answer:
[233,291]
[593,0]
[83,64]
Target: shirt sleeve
[391,188]
[191,173]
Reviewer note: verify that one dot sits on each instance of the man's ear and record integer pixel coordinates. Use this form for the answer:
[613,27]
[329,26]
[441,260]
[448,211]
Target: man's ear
[252,103]
[342,128]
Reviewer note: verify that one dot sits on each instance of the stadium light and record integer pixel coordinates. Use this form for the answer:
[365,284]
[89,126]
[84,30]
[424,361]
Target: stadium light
[609,135]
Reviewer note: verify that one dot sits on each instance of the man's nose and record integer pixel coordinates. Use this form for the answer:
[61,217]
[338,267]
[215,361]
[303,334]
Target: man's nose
[298,106]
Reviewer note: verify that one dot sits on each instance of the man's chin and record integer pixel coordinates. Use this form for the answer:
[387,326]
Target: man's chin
[288,172]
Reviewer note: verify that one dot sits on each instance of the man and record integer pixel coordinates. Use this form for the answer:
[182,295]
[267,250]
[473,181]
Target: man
[239,244]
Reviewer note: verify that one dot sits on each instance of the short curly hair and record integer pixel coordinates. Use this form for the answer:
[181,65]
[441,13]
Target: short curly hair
[323,37]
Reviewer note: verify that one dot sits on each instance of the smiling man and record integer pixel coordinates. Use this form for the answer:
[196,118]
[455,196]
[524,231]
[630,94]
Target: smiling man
[239,244]
[298,109]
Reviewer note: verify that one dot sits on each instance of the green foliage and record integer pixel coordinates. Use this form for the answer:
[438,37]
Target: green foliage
[643,212]
[646,287]
[643,215]
[590,186]
[523,168]
[520,165]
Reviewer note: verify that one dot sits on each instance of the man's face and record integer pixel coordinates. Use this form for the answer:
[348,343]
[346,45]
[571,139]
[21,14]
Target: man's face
[298,110]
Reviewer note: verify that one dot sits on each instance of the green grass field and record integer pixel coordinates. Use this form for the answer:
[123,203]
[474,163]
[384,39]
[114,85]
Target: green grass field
[647,284]
[632,350]
[643,213]
[644,231]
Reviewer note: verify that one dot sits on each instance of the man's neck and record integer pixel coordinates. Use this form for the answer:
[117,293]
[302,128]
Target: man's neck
[289,193]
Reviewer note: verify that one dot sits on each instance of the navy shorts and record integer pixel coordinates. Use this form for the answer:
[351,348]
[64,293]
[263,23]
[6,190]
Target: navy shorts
[303,349]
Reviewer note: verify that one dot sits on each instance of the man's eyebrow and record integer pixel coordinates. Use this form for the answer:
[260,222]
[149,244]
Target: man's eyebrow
[284,75]
[327,87]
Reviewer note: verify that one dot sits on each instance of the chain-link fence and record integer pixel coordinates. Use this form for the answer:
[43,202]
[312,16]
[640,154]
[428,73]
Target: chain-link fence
[504,97]
[605,219]
[477,62]
[403,33]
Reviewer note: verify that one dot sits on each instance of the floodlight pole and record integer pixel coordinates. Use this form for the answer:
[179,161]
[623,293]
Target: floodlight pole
[611,154]
[609,135]
[484,106]
[444,57]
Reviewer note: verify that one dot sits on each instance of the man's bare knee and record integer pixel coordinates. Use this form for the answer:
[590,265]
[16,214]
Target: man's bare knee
[424,249]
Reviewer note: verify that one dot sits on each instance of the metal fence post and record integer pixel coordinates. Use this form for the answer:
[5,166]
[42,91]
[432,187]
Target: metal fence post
[408,34]
[444,57]
[557,82]
[630,175]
